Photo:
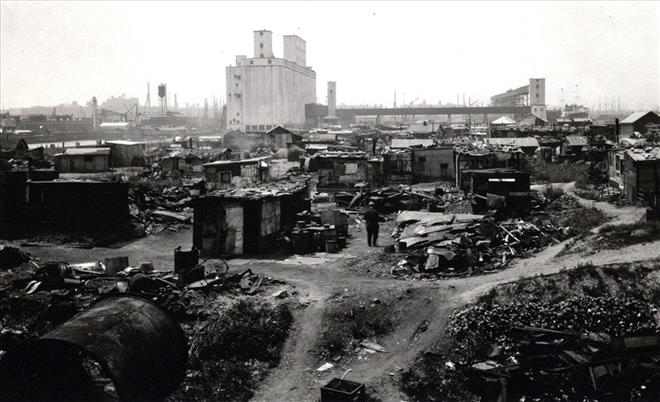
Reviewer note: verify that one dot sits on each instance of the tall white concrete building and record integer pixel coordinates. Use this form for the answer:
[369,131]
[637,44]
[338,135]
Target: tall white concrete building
[265,91]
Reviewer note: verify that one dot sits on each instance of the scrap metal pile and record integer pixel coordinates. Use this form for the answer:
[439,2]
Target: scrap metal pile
[36,297]
[582,348]
[450,244]
[154,209]
[456,244]
[325,231]
[392,199]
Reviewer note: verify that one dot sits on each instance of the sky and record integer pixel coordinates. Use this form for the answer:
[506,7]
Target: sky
[590,53]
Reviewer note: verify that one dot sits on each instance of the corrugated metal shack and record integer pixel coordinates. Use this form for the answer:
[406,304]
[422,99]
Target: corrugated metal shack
[435,163]
[127,153]
[339,169]
[247,221]
[83,160]
[398,166]
[77,206]
[500,189]
[237,173]
[475,159]
[641,176]
[12,202]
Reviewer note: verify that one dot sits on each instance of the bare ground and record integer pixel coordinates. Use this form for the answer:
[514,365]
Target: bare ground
[318,278]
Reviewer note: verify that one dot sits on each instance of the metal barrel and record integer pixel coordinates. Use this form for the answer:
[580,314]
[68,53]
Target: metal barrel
[133,342]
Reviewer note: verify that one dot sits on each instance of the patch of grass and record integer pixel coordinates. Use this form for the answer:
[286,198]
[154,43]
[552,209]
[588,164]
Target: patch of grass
[233,351]
[558,172]
[618,236]
[551,193]
[347,323]
[247,330]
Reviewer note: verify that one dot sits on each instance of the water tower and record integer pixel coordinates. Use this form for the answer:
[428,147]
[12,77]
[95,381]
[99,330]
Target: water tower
[162,94]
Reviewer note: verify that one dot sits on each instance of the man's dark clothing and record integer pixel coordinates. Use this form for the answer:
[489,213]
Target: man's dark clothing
[371,218]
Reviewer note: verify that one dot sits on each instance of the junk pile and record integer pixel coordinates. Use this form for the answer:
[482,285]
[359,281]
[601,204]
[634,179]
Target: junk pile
[34,297]
[590,365]
[392,199]
[458,244]
[154,210]
[133,313]
[582,348]
[324,231]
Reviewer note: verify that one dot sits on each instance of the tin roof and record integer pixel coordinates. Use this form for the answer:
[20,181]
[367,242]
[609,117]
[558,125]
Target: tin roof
[237,161]
[124,142]
[272,189]
[576,140]
[633,117]
[411,142]
[644,154]
[521,142]
[85,151]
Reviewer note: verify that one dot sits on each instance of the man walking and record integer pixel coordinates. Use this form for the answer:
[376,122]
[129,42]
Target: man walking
[371,218]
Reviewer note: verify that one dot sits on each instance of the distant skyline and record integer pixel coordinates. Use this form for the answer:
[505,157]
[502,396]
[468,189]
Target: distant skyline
[599,52]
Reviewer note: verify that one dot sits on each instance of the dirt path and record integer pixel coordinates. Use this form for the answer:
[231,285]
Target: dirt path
[318,278]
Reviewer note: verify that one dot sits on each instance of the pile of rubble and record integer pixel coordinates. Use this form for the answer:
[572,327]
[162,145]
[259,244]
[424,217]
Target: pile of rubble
[456,244]
[36,297]
[450,244]
[325,231]
[153,209]
[569,350]
[392,199]
[573,366]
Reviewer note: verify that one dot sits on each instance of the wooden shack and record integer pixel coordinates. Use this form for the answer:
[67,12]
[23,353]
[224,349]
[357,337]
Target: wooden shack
[247,221]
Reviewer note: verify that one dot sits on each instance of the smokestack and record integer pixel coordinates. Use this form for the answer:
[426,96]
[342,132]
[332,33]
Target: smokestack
[94,111]
[332,98]
[617,129]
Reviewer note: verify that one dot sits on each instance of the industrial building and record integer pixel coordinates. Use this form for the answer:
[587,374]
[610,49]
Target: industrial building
[265,91]
[532,95]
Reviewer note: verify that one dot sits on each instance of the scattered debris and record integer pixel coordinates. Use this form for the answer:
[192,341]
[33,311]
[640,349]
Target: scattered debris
[373,346]
[325,367]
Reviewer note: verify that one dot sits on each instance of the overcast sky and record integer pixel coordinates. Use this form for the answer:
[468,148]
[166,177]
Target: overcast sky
[57,52]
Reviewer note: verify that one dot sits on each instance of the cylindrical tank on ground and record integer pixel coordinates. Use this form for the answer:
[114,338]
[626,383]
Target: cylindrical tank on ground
[123,348]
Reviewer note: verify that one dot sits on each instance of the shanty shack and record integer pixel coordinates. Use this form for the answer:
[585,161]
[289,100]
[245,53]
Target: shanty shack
[528,145]
[237,173]
[127,153]
[77,206]
[615,157]
[23,152]
[279,137]
[468,159]
[498,189]
[434,163]
[247,221]
[398,166]
[640,122]
[574,145]
[406,143]
[182,163]
[339,169]
[83,160]
[641,176]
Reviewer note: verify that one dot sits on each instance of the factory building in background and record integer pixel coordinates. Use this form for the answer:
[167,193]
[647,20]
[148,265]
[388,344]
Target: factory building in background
[529,95]
[265,91]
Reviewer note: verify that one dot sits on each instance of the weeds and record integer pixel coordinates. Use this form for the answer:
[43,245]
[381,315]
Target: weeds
[558,173]
[233,350]
[618,236]
[348,322]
